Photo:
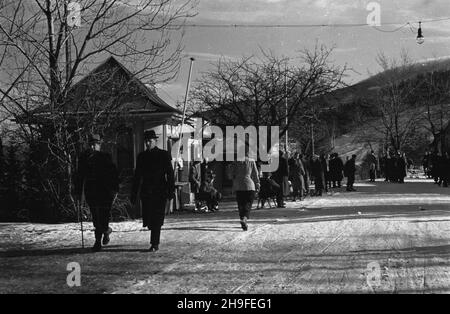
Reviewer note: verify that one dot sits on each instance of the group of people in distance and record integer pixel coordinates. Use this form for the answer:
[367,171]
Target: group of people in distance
[394,166]
[437,167]
[292,177]
[154,181]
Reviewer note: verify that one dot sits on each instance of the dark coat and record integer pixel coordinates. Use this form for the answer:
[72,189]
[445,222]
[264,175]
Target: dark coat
[154,178]
[282,171]
[296,173]
[401,165]
[98,175]
[317,173]
[336,169]
[350,168]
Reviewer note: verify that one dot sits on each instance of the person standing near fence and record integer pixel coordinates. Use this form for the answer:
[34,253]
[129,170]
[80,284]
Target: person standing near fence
[154,178]
[245,184]
[98,178]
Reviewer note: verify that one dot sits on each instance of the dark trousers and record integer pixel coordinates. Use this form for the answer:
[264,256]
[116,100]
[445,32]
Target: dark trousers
[153,214]
[350,181]
[155,235]
[280,191]
[100,210]
[245,201]
[372,175]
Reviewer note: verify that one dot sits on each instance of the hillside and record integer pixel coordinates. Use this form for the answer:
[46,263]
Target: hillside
[369,86]
[352,111]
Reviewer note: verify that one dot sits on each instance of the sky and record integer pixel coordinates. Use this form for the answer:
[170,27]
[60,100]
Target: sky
[356,47]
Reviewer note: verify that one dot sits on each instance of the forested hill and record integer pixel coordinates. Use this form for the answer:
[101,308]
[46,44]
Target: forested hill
[355,107]
[368,87]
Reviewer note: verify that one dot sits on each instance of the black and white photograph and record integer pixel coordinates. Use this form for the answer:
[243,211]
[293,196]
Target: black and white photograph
[224,152]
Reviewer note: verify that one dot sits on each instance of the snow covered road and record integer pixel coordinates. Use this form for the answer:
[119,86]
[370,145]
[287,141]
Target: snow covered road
[391,238]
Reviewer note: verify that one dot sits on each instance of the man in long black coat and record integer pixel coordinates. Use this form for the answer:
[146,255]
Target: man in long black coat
[350,170]
[336,169]
[154,178]
[98,177]
[318,175]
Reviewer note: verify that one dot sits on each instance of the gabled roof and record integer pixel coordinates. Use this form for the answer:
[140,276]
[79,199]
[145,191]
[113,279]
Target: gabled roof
[155,103]
[139,100]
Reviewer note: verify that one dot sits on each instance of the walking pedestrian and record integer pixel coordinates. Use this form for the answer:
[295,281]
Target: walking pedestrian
[245,183]
[349,172]
[281,177]
[154,178]
[98,178]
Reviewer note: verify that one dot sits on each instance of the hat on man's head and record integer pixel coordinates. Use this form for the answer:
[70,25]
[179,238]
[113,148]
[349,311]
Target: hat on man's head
[150,134]
[94,138]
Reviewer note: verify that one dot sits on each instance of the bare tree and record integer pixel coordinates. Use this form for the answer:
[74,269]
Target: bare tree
[42,55]
[253,91]
[434,96]
[397,112]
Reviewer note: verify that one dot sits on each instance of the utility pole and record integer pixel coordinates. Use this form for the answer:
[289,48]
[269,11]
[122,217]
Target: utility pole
[68,46]
[286,108]
[184,110]
[312,138]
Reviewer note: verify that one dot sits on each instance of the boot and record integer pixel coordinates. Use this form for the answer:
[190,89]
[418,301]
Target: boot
[97,246]
[98,242]
[106,236]
[154,248]
[244,223]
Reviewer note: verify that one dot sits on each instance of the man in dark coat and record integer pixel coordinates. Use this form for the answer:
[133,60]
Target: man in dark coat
[324,160]
[390,167]
[402,166]
[371,161]
[336,169]
[350,169]
[281,176]
[318,175]
[98,177]
[154,178]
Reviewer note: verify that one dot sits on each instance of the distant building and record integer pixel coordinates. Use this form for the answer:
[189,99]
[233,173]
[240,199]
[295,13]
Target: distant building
[113,92]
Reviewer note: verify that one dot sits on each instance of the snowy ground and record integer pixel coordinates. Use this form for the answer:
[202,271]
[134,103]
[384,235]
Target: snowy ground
[390,238]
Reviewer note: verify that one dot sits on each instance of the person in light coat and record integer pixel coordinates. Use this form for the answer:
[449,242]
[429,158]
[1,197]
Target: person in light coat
[245,183]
